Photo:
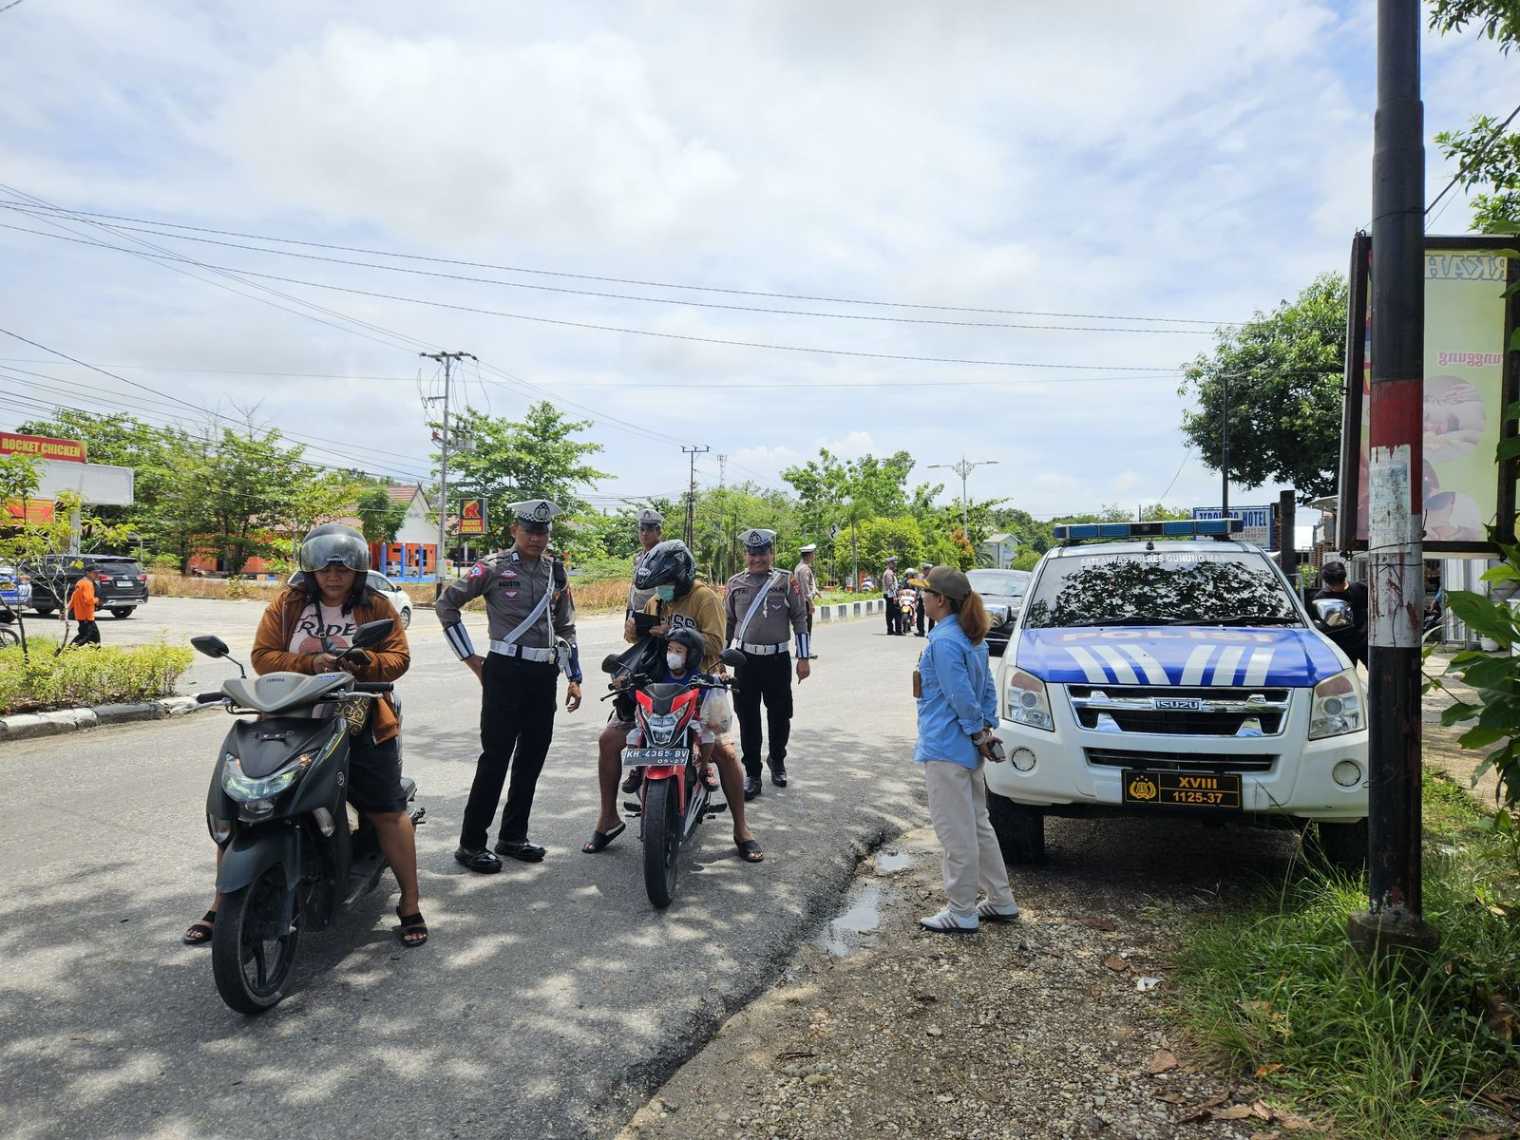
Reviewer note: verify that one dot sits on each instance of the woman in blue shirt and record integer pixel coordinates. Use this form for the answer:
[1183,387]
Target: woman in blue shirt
[957,712]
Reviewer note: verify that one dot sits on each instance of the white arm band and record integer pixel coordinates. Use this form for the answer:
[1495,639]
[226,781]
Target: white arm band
[459,640]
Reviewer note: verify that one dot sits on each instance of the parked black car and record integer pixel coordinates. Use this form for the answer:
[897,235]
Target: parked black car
[121,584]
[1003,593]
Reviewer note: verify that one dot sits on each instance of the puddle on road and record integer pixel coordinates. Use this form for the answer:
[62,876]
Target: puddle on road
[890,862]
[855,927]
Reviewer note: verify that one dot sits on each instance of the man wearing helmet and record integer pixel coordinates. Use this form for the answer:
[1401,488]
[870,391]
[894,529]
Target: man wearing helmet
[689,619]
[318,612]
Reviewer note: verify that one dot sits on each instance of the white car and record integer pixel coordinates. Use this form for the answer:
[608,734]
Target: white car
[388,590]
[1173,679]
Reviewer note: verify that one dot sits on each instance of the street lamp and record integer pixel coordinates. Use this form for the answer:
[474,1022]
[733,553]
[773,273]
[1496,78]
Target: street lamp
[964,469]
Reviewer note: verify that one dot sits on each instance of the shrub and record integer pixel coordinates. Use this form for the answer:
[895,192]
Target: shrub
[88,675]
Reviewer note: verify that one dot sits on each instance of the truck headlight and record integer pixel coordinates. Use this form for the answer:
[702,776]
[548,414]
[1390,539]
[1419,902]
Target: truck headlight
[245,789]
[1025,700]
[1337,707]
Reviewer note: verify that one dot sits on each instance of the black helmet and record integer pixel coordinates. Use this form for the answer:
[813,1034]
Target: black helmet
[334,544]
[668,563]
[696,647]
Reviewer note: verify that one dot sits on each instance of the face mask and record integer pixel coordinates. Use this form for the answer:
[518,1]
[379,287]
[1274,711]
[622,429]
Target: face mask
[665,593]
[676,661]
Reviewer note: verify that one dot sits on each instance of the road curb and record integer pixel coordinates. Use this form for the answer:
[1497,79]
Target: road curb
[849,611]
[29,726]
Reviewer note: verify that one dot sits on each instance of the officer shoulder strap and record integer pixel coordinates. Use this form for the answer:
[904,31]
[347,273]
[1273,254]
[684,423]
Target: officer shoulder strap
[527,623]
[754,607]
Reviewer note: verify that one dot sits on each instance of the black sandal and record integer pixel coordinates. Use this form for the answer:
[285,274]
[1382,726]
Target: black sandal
[411,924]
[200,932]
[749,850]
[710,778]
[600,839]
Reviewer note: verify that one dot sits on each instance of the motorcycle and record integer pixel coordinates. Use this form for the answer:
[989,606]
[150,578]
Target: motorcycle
[907,606]
[295,853]
[673,800]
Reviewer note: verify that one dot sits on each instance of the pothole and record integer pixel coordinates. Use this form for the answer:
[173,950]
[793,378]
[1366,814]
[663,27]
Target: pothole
[890,862]
[855,927]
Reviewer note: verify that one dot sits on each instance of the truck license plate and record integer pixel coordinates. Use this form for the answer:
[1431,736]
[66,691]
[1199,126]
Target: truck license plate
[1216,791]
[654,757]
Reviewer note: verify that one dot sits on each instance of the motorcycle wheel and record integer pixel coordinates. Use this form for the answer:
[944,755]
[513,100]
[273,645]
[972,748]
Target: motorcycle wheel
[662,841]
[250,957]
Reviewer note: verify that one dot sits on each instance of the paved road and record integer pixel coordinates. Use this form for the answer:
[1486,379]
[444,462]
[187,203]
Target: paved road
[550,997]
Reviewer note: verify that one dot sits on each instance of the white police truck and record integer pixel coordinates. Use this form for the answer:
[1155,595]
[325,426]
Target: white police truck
[1166,669]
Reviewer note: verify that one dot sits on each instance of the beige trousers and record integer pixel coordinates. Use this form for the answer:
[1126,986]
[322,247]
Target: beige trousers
[958,808]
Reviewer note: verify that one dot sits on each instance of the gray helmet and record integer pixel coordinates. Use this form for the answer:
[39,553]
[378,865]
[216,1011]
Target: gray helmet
[334,544]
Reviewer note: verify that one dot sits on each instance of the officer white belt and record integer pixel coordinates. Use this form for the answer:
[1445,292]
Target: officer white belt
[765,650]
[509,649]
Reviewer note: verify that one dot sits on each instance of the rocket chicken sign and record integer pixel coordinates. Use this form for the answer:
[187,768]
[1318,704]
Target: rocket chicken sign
[16,511]
[1470,376]
[472,516]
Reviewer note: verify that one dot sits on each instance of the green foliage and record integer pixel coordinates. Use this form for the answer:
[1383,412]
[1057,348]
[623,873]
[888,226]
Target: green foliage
[836,492]
[1487,155]
[88,675]
[879,537]
[1272,989]
[1026,561]
[1499,20]
[1283,371]
[511,460]
[379,517]
[1032,534]
[722,513]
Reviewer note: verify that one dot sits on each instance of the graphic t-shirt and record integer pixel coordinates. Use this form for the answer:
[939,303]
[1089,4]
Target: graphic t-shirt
[317,620]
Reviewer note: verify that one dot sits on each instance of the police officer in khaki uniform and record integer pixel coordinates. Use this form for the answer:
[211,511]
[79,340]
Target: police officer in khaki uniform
[807,582]
[532,632]
[763,606]
[651,531]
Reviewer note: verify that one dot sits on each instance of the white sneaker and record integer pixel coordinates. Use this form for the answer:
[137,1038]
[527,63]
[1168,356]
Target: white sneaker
[947,923]
[985,910]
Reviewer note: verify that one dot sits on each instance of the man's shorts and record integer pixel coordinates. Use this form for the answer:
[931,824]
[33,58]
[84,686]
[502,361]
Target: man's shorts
[374,774]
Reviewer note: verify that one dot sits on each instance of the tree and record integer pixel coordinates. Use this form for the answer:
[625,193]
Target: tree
[1160,512]
[836,492]
[254,490]
[1487,154]
[511,460]
[379,517]
[1283,374]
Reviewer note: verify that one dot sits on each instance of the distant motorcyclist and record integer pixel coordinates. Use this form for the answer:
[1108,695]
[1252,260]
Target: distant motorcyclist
[318,612]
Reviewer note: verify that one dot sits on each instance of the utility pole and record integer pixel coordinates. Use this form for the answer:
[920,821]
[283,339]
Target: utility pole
[1224,451]
[964,469]
[1394,923]
[691,492]
[447,359]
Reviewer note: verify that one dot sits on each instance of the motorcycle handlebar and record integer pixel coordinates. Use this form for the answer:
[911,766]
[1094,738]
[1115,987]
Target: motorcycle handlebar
[374,687]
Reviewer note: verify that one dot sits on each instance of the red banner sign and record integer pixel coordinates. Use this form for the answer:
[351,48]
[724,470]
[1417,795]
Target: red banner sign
[37,511]
[42,447]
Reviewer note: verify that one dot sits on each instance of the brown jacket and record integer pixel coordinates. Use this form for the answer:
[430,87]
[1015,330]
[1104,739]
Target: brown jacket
[388,660]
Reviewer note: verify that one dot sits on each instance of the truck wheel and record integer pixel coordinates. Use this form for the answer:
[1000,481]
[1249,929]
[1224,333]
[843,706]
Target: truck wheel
[1342,845]
[1020,829]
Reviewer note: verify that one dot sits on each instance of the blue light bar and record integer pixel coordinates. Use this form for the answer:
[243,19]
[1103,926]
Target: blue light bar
[1184,528]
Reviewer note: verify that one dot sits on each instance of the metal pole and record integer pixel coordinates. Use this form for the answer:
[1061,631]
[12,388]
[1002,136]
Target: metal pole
[447,360]
[1394,921]
[691,492]
[1224,449]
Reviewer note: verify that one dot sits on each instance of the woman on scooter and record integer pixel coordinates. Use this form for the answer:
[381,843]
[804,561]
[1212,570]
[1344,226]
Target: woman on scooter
[328,601]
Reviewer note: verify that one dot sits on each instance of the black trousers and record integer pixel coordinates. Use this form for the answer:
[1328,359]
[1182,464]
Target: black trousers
[88,634]
[894,615]
[516,725]
[919,610]
[770,679]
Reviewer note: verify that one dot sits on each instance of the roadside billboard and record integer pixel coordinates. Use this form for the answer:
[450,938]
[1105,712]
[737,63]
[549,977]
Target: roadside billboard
[1258,523]
[1470,376]
[472,516]
[42,447]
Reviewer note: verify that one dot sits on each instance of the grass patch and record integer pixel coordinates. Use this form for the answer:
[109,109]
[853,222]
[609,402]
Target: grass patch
[1273,989]
[88,675]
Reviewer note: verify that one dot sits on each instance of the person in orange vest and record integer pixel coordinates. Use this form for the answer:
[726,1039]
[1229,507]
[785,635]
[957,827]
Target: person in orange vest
[82,610]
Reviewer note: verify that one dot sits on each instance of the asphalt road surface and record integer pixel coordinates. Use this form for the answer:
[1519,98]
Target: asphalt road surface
[550,999]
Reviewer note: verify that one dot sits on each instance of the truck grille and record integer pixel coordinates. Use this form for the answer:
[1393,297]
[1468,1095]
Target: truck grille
[1171,710]
[1180,762]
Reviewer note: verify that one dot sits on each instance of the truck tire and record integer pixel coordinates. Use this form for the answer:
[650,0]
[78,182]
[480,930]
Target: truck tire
[1020,829]
[1342,845]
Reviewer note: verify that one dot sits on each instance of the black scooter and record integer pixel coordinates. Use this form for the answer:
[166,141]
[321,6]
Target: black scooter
[295,855]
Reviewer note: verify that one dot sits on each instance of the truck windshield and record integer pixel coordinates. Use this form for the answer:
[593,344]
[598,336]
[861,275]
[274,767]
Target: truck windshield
[1007,583]
[1161,587]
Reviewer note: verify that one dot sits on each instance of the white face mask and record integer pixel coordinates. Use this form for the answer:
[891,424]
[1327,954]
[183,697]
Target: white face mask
[676,661]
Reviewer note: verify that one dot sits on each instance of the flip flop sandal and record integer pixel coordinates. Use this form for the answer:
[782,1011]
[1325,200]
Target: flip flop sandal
[710,779]
[411,926]
[749,850]
[600,839]
[200,932]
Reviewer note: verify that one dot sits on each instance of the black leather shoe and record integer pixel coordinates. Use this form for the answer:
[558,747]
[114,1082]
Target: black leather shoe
[778,777]
[752,787]
[635,778]
[478,859]
[520,849]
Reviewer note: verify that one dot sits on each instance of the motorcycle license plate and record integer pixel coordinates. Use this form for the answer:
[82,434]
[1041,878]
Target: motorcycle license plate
[654,757]
[1207,790]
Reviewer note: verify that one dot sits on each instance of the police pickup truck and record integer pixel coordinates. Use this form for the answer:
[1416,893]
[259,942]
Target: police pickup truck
[1165,669]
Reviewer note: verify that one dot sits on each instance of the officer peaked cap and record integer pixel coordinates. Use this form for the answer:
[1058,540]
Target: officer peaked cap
[650,517]
[757,539]
[536,514]
[809,548]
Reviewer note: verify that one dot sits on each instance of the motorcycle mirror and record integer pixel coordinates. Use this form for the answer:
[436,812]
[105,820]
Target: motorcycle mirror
[1333,613]
[611,663]
[373,633]
[210,645]
[731,657]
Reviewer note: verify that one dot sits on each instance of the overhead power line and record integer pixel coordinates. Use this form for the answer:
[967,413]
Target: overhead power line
[1463,168]
[650,284]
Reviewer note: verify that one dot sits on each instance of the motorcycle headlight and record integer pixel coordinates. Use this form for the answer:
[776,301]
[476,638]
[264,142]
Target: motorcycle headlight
[662,726]
[245,789]
[1025,700]
[1337,707]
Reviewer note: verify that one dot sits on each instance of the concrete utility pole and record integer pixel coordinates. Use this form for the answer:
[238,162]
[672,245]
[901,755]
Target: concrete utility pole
[1394,921]
[447,359]
[1224,451]
[691,492]
[964,469]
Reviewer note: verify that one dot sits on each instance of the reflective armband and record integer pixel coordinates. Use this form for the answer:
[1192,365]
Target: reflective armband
[459,640]
[804,647]
[573,673]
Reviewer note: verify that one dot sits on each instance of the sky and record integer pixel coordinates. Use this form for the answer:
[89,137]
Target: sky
[1050,207]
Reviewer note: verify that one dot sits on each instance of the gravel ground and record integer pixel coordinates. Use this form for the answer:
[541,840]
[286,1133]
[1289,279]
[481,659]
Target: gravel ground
[1049,1027]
